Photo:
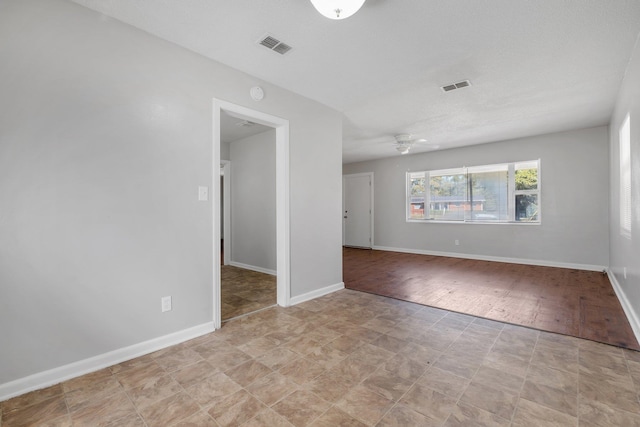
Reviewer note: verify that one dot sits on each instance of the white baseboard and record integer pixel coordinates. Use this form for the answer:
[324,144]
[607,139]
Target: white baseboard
[253,268]
[92,364]
[315,294]
[632,316]
[542,263]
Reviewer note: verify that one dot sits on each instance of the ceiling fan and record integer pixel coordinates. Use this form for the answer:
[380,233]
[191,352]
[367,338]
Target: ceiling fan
[405,141]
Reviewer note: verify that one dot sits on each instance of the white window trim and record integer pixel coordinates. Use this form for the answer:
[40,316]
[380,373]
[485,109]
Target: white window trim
[624,147]
[511,193]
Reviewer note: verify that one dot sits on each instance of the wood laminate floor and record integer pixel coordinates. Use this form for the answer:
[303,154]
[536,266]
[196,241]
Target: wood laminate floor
[566,301]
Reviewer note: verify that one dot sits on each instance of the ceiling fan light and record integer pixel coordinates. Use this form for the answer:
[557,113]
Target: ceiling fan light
[337,9]
[403,149]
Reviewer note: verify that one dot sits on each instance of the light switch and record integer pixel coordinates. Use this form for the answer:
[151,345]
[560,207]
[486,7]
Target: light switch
[166,303]
[203,193]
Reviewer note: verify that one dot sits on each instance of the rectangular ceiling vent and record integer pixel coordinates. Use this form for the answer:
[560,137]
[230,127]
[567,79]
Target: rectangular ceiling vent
[274,44]
[454,86]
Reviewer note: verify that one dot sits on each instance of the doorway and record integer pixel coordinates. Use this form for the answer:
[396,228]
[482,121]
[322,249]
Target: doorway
[248,277]
[282,248]
[357,218]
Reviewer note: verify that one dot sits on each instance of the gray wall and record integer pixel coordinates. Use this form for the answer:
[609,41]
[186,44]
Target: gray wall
[253,200]
[574,174]
[225,147]
[625,251]
[105,135]
[224,155]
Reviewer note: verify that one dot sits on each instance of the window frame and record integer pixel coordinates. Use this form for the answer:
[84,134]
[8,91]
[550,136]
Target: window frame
[625,184]
[512,194]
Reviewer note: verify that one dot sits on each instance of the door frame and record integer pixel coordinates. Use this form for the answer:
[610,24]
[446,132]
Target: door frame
[371,204]
[283,276]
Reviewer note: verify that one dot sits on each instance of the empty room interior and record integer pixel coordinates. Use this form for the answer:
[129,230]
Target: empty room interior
[320,213]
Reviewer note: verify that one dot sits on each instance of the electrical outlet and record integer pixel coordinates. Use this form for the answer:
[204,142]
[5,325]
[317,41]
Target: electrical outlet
[166,303]
[457,242]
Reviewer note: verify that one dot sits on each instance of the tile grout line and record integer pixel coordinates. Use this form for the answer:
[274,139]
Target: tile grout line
[186,392]
[430,366]
[395,403]
[526,375]
[400,398]
[126,392]
[298,387]
[578,387]
[363,380]
[476,371]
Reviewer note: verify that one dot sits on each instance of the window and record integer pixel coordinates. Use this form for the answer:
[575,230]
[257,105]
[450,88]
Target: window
[625,177]
[508,192]
[527,205]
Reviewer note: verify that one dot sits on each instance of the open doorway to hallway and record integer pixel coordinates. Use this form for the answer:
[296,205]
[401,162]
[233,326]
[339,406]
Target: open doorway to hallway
[251,230]
[248,213]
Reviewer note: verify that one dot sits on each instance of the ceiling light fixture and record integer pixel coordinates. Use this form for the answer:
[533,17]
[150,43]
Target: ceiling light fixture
[403,148]
[337,9]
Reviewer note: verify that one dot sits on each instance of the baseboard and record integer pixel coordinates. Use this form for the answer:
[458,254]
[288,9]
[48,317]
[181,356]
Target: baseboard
[92,364]
[315,294]
[541,263]
[626,305]
[253,268]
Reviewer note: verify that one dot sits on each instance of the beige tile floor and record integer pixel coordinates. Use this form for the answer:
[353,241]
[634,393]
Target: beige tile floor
[353,359]
[245,291]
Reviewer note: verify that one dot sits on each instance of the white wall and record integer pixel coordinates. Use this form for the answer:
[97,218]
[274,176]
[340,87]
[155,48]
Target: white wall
[225,147]
[625,251]
[574,174]
[224,155]
[105,135]
[253,201]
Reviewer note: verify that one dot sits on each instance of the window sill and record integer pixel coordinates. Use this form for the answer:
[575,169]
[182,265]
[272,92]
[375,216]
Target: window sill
[435,221]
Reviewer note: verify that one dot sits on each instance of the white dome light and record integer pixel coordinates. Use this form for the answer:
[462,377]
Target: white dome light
[337,9]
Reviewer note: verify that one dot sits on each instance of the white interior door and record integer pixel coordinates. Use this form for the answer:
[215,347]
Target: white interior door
[358,210]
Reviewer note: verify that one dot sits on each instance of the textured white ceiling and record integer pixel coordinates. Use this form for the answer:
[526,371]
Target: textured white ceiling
[536,66]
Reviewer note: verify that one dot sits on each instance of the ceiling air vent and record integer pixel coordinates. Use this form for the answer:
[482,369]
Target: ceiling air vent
[454,86]
[282,48]
[274,44]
